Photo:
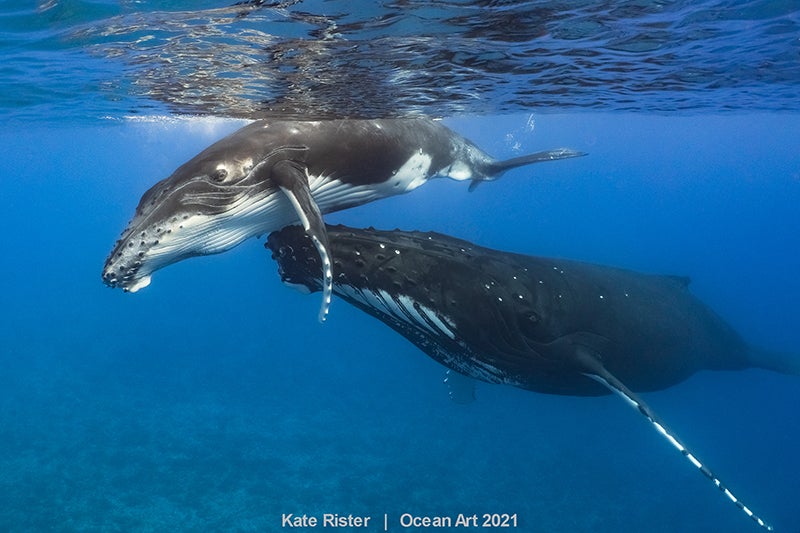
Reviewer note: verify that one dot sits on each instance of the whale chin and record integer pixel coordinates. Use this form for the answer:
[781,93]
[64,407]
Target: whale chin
[140,283]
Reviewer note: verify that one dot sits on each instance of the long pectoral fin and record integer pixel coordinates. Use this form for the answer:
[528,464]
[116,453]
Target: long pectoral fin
[595,370]
[292,179]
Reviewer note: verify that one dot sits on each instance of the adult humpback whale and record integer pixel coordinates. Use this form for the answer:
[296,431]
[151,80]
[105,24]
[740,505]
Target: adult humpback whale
[547,325]
[230,190]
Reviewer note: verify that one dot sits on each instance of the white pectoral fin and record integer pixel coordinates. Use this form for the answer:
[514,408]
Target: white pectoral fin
[292,179]
[605,378]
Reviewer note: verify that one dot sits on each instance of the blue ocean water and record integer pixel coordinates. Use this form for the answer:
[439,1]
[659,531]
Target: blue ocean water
[213,400]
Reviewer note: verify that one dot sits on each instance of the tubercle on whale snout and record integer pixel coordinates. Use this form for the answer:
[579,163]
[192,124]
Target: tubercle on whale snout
[114,268]
[129,282]
[298,263]
[123,266]
[114,280]
[110,277]
[119,270]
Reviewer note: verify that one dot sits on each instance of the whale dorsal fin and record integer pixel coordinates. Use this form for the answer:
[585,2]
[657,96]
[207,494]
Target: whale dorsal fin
[590,360]
[292,178]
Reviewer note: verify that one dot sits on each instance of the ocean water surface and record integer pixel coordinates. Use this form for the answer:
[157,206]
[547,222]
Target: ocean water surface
[213,400]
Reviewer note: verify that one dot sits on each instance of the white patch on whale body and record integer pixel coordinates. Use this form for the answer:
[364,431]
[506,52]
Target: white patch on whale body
[333,194]
[427,322]
[413,173]
[458,170]
[447,329]
[416,312]
[403,308]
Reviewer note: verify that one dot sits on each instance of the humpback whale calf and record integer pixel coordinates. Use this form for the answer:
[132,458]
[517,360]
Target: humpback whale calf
[273,173]
[548,325]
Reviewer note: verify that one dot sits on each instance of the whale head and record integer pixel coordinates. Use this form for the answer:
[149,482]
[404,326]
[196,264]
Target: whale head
[208,205]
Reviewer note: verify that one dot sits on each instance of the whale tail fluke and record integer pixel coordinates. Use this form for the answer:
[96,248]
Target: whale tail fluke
[494,169]
[783,362]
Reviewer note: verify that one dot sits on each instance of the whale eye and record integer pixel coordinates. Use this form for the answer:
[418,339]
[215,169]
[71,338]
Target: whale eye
[219,175]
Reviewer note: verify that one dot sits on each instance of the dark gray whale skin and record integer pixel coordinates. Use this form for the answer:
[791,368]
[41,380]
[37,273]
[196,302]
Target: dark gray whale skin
[534,322]
[543,324]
